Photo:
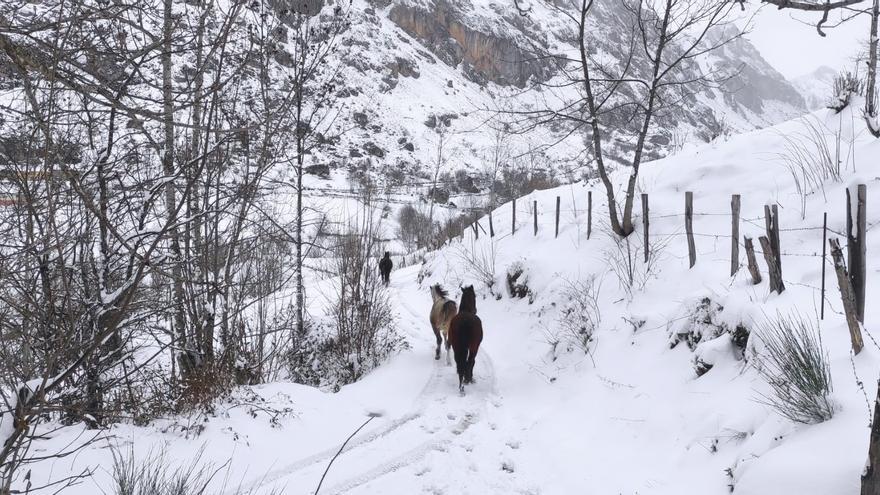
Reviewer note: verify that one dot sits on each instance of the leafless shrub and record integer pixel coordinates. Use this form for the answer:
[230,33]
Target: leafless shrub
[625,260]
[814,156]
[795,365]
[455,226]
[414,227]
[580,315]
[154,474]
[846,84]
[479,259]
[361,312]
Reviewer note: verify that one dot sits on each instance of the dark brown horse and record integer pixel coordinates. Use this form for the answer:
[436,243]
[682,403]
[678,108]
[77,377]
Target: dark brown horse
[465,335]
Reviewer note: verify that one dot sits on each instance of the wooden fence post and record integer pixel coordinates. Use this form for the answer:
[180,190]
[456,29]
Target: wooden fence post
[513,221]
[753,263]
[645,221]
[589,214]
[476,227]
[689,226]
[775,240]
[871,474]
[847,296]
[557,217]
[855,247]
[772,265]
[491,225]
[734,234]
[535,215]
[771,223]
[824,257]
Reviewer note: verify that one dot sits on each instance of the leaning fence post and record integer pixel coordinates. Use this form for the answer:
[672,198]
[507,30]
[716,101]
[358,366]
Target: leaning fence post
[824,242]
[734,234]
[557,217]
[772,265]
[491,225]
[846,294]
[689,226]
[535,215]
[589,213]
[856,247]
[513,220]
[753,263]
[645,222]
[476,227]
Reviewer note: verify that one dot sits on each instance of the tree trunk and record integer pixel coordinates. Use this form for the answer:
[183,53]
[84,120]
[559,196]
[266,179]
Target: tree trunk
[870,87]
[179,318]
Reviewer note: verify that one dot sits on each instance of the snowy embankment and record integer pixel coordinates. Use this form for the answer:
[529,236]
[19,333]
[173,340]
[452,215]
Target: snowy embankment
[631,416]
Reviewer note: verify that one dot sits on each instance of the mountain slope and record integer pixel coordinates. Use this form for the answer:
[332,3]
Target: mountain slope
[409,65]
[816,87]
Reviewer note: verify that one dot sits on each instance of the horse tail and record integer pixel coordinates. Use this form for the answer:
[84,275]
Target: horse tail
[449,310]
[447,313]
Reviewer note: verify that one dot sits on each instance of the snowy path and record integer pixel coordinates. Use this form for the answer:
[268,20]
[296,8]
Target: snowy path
[442,433]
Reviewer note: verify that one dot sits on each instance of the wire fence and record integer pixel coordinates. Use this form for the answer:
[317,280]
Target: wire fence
[525,215]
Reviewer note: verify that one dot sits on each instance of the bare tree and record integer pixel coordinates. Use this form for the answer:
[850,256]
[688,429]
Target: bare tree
[665,38]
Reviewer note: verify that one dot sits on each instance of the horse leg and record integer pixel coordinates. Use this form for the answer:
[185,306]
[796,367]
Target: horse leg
[448,346]
[439,341]
[469,371]
[460,351]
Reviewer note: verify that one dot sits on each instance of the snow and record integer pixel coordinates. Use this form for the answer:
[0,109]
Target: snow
[630,417]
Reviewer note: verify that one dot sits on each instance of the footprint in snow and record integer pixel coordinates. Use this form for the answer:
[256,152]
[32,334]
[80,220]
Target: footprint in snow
[513,444]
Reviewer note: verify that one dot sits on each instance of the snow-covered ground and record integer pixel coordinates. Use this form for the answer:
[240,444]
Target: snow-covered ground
[630,417]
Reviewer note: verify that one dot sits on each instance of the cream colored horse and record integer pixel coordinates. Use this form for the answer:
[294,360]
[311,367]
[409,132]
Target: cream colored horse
[442,312]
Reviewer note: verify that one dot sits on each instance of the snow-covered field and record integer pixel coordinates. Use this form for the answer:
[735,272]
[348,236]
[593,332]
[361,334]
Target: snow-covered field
[630,417]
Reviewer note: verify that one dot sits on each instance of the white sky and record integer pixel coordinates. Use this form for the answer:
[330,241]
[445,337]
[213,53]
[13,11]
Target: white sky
[795,48]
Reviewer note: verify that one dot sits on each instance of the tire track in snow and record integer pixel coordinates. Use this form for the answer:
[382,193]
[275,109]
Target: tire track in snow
[428,393]
[471,415]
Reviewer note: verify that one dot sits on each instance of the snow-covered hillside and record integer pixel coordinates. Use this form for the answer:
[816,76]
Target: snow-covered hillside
[544,417]
[410,68]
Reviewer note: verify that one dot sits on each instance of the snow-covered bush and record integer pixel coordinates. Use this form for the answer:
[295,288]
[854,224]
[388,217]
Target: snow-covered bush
[846,84]
[794,363]
[702,322]
[579,317]
[707,332]
[518,281]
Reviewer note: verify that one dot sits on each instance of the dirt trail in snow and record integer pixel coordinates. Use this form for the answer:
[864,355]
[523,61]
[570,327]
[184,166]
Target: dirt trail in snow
[434,439]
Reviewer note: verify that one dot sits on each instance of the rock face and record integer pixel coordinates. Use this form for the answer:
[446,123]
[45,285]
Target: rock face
[754,82]
[502,58]
[419,79]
